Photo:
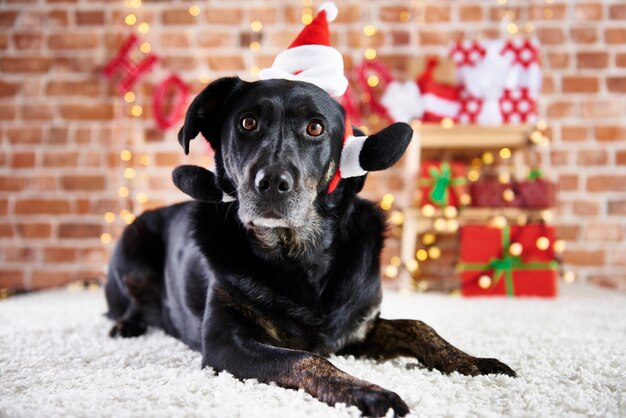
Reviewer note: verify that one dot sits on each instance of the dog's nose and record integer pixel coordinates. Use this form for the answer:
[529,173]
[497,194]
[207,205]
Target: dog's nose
[273,180]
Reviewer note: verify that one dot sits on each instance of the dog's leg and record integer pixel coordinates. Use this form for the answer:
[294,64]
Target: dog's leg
[228,344]
[392,338]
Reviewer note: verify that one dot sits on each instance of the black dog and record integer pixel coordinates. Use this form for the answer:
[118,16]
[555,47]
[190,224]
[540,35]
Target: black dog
[267,285]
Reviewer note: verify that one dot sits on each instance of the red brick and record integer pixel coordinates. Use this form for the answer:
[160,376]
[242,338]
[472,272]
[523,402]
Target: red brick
[12,183]
[41,206]
[177,63]
[57,18]
[615,36]
[568,182]
[610,132]
[37,111]
[584,35]
[470,13]
[596,59]
[617,207]
[215,39]
[7,111]
[604,109]
[25,64]
[59,255]
[616,84]
[83,182]
[34,230]
[18,254]
[392,13]
[617,11]
[267,14]
[574,133]
[357,40]
[174,40]
[588,11]
[559,157]
[604,232]
[60,159]
[7,18]
[73,88]
[551,36]
[584,257]
[606,183]
[226,63]
[4,41]
[58,136]
[42,279]
[585,208]
[223,15]
[592,157]
[27,40]
[11,279]
[620,157]
[6,230]
[90,17]
[8,89]
[537,11]
[438,37]
[79,230]
[23,160]
[436,13]
[558,60]
[172,16]
[400,37]
[561,109]
[91,111]
[25,135]
[77,40]
[578,84]
[4,207]
[167,159]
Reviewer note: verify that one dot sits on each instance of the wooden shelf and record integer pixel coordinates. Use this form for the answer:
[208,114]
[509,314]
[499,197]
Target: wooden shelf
[435,136]
[476,215]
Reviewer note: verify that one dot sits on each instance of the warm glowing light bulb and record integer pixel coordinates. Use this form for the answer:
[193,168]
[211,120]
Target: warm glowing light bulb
[129,97]
[369,30]
[109,217]
[126,155]
[143,27]
[372,81]
[256,26]
[194,10]
[130,19]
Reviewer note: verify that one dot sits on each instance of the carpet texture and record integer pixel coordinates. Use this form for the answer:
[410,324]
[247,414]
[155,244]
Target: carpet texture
[56,360]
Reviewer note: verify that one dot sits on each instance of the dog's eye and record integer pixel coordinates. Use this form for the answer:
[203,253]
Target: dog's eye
[315,128]
[248,123]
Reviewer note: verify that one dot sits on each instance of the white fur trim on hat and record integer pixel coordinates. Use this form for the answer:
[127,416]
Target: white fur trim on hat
[317,64]
[350,165]
[331,10]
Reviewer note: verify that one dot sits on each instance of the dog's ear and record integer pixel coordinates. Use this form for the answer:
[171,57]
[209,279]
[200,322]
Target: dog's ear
[206,111]
[197,182]
[383,149]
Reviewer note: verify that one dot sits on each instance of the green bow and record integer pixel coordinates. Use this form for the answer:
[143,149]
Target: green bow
[504,266]
[441,181]
[535,174]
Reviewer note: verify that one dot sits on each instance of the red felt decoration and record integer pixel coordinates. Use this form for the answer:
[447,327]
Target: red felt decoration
[179,101]
[351,106]
[440,100]
[131,70]
[517,106]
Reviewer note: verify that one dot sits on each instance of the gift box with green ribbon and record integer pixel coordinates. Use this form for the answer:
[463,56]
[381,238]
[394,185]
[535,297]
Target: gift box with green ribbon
[442,183]
[509,261]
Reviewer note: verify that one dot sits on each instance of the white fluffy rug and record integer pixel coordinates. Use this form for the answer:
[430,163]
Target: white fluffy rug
[56,360]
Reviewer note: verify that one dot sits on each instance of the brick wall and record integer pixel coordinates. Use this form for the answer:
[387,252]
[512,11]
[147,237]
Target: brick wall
[62,126]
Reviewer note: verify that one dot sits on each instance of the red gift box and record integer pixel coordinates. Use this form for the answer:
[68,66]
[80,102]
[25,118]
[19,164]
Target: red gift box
[442,183]
[493,194]
[536,194]
[512,261]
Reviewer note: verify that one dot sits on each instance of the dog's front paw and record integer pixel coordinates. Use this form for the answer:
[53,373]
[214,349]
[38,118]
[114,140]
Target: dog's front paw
[373,401]
[474,366]
[128,329]
[493,366]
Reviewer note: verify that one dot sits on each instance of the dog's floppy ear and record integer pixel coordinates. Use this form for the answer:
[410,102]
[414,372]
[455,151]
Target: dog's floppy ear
[207,110]
[197,182]
[383,149]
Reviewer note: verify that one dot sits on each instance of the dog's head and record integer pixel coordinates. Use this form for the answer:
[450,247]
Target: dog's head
[278,145]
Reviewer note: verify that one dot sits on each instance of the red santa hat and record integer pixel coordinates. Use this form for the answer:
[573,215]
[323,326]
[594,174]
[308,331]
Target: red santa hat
[310,57]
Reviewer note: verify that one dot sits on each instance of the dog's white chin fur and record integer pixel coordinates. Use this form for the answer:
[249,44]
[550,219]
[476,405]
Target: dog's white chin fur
[270,223]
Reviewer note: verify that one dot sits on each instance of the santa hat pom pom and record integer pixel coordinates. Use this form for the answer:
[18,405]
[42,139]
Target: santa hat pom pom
[331,10]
